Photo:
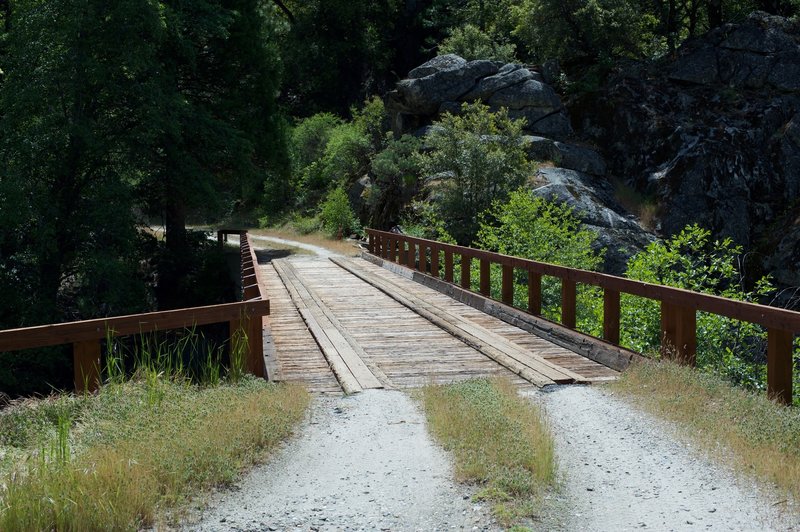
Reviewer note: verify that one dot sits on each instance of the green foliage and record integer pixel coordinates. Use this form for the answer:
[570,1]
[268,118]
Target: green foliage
[310,137]
[395,174]
[475,158]
[533,228]
[691,260]
[471,43]
[499,440]
[581,31]
[336,215]
[372,120]
[421,219]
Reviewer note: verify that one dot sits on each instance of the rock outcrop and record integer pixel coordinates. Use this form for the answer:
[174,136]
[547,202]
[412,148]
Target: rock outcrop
[715,135]
[445,82]
[579,179]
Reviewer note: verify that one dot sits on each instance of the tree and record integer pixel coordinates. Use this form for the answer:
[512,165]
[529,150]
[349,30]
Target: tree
[475,158]
[78,77]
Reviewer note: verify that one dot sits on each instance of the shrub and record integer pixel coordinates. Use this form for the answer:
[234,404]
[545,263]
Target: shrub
[691,260]
[336,215]
[471,43]
[531,227]
[395,173]
[475,158]
[310,137]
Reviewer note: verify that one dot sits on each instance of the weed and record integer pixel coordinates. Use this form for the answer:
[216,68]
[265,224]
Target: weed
[739,427]
[499,440]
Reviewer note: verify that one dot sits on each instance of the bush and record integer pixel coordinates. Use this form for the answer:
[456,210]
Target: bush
[336,215]
[690,260]
[471,43]
[310,137]
[533,228]
[395,173]
[475,158]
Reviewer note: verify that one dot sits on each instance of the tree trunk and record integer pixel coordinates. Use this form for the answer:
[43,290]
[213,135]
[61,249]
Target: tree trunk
[175,223]
[714,14]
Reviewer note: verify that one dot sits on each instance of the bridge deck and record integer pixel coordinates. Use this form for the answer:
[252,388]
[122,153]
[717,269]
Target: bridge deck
[324,316]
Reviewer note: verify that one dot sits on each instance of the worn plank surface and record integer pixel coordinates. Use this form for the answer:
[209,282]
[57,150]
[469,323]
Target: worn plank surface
[408,349]
[589,370]
[297,357]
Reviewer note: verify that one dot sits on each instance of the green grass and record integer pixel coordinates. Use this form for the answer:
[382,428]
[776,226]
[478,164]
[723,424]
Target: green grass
[122,459]
[744,429]
[499,441]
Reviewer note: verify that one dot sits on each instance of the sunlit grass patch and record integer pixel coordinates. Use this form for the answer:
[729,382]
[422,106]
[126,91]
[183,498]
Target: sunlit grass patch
[499,440]
[743,428]
[119,459]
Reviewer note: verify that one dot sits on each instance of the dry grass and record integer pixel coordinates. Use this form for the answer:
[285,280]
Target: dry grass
[499,441]
[120,459]
[741,428]
[318,238]
[641,206]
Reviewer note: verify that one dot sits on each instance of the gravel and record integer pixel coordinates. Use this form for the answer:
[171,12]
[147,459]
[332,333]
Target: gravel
[624,469]
[363,462]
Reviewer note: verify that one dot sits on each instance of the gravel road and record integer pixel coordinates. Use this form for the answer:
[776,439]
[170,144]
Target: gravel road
[625,470]
[363,462]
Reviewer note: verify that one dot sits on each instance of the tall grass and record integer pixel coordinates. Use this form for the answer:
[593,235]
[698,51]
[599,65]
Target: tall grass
[139,447]
[499,441]
[742,428]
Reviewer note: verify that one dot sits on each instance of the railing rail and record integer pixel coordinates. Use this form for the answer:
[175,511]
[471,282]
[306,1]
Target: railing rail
[678,307]
[86,335]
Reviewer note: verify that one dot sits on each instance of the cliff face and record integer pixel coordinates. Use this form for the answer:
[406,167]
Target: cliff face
[714,134]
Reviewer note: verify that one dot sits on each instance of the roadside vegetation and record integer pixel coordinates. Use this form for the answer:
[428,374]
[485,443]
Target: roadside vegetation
[149,441]
[739,427]
[500,442]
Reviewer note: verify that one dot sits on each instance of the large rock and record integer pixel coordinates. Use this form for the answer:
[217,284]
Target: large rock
[444,83]
[424,95]
[593,202]
[714,137]
[564,155]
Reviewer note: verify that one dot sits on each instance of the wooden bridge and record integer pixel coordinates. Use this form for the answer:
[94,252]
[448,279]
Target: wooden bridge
[394,318]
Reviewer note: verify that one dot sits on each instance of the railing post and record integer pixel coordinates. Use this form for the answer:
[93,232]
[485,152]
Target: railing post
[507,291]
[679,333]
[86,362]
[466,282]
[402,253]
[779,365]
[255,347]
[411,260]
[435,261]
[486,284]
[371,244]
[534,293]
[448,266]
[390,249]
[611,316]
[568,303]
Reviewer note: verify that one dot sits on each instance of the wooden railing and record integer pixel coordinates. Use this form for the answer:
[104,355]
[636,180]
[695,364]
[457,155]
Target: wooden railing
[678,307]
[86,335]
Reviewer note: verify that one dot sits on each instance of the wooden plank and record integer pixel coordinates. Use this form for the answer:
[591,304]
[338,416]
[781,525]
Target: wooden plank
[771,317]
[611,316]
[534,293]
[448,266]
[435,261]
[568,305]
[80,331]
[465,273]
[678,333]
[522,362]
[779,365]
[314,305]
[86,364]
[485,284]
[507,290]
